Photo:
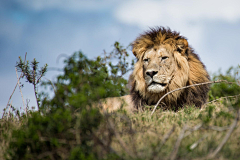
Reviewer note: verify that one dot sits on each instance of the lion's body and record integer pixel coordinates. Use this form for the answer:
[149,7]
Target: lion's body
[164,62]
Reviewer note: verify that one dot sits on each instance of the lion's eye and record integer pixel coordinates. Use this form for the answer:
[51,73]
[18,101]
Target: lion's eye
[164,58]
[145,60]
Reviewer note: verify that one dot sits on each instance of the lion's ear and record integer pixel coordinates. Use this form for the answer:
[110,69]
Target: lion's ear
[182,45]
[138,49]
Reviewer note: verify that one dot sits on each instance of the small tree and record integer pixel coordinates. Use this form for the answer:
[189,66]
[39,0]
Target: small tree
[32,74]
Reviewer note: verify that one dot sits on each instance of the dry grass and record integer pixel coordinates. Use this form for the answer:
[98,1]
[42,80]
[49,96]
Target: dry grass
[190,133]
[187,134]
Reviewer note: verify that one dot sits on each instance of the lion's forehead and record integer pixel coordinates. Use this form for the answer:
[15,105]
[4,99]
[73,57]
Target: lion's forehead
[156,52]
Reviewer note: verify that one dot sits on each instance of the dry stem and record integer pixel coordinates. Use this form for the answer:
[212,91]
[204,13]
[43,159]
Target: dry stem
[190,130]
[122,143]
[235,96]
[220,129]
[234,124]
[178,142]
[21,91]
[51,85]
[10,107]
[166,136]
[194,145]
[199,84]
[14,87]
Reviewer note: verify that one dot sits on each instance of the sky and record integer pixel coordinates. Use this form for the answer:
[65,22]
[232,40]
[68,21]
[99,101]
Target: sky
[47,29]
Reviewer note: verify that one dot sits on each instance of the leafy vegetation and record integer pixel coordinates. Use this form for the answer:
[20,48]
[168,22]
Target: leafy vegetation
[69,126]
[223,89]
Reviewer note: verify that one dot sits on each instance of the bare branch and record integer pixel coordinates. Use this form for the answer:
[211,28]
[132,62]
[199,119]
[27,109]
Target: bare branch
[10,99]
[194,145]
[10,107]
[100,142]
[220,129]
[234,124]
[51,85]
[164,140]
[14,88]
[166,136]
[122,143]
[235,96]
[178,142]
[199,84]
[190,130]
[21,91]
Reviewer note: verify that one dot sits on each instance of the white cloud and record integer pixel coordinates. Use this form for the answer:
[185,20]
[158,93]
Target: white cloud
[193,18]
[151,13]
[188,16]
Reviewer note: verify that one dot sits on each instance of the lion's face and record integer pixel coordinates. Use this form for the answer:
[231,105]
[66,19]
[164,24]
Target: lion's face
[158,69]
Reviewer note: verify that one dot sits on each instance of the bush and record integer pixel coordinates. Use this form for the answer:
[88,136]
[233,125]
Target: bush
[223,89]
[66,126]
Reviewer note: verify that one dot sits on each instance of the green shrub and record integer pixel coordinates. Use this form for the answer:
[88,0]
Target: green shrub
[223,89]
[67,124]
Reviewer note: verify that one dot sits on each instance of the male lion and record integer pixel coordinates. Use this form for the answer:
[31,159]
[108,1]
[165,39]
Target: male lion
[165,62]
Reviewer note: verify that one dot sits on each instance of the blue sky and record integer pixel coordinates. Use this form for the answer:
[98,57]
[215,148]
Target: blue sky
[46,29]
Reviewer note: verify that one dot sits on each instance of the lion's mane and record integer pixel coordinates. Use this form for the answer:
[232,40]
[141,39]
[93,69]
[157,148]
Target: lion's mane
[189,71]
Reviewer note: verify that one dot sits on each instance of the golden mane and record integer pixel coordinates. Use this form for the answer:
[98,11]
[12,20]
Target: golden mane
[190,70]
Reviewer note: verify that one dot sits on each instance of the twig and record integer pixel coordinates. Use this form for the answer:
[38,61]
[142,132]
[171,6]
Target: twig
[51,85]
[220,129]
[10,106]
[107,148]
[9,99]
[166,136]
[195,128]
[164,140]
[122,143]
[234,124]
[21,91]
[235,96]
[178,142]
[218,81]
[194,145]
[14,87]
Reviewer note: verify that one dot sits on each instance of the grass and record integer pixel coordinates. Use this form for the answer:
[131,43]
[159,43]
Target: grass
[203,127]
[190,133]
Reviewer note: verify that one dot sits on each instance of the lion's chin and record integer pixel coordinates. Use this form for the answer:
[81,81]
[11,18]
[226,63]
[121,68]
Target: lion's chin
[156,88]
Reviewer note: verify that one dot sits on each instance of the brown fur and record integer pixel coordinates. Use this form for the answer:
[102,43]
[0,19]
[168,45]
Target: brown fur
[188,70]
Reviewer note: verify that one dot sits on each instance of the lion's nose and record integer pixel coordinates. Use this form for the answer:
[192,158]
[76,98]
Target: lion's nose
[151,73]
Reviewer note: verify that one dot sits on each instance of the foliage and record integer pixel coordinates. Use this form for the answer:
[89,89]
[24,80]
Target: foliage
[34,75]
[85,81]
[67,125]
[222,89]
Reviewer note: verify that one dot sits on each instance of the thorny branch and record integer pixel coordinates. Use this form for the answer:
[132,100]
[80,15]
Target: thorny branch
[199,84]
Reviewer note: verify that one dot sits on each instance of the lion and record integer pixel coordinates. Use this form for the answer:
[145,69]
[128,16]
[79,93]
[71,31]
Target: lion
[165,62]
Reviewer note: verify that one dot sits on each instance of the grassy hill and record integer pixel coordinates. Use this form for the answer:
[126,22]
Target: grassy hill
[68,126]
